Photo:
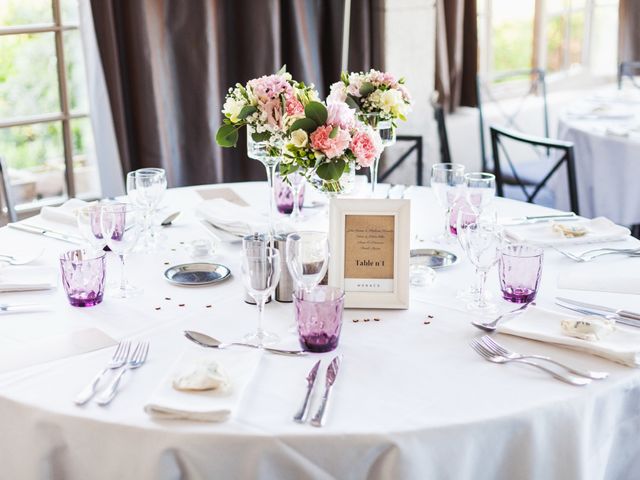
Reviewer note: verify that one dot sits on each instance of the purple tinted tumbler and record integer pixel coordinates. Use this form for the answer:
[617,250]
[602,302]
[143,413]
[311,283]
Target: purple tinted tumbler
[520,270]
[319,317]
[83,275]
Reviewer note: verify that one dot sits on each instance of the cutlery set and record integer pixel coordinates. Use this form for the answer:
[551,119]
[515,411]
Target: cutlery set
[121,361]
[590,255]
[318,419]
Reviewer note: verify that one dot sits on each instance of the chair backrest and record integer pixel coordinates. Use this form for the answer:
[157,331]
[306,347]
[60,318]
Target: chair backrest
[438,115]
[563,155]
[630,70]
[510,109]
[416,146]
[7,199]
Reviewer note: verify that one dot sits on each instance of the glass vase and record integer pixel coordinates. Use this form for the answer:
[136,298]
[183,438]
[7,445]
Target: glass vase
[387,133]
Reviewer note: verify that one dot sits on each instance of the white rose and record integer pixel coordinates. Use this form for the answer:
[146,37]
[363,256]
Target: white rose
[232,108]
[299,138]
[391,101]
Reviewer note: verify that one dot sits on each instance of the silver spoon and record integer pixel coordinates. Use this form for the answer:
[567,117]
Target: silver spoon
[210,342]
[491,326]
[167,221]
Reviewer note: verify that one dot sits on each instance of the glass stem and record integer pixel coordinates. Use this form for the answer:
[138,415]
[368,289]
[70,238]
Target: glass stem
[447,215]
[123,274]
[482,280]
[260,331]
[374,174]
[295,190]
[271,170]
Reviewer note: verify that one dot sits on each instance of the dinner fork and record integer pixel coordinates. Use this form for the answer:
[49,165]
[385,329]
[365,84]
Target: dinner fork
[487,355]
[498,349]
[583,257]
[117,360]
[137,359]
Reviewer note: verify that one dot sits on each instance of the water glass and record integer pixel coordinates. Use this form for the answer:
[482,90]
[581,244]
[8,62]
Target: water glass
[286,195]
[145,188]
[446,182]
[319,317]
[88,220]
[520,269]
[480,189]
[83,274]
[307,258]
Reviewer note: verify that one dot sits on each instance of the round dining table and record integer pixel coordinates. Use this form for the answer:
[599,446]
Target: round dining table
[412,399]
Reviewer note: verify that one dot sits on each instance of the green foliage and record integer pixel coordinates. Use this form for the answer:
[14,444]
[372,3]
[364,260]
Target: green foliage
[227,136]
[305,124]
[317,112]
[352,102]
[366,88]
[334,132]
[260,136]
[331,170]
[246,111]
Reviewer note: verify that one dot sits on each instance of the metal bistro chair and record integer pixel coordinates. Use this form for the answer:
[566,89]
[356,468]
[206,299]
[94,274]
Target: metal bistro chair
[511,110]
[530,193]
[7,199]
[438,115]
[416,147]
[630,70]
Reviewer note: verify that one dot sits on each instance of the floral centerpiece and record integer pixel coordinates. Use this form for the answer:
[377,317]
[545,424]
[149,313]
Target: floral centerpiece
[327,143]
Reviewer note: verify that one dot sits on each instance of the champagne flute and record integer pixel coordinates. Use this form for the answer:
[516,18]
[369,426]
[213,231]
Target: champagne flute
[121,224]
[88,220]
[446,182]
[307,256]
[297,182]
[260,273]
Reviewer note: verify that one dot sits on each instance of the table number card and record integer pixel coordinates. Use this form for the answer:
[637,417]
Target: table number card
[370,251]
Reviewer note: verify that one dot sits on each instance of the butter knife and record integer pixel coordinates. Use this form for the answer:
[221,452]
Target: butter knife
[589,306]
[332,373]
[301,416]
[512,222]
[25,227]
[584,311]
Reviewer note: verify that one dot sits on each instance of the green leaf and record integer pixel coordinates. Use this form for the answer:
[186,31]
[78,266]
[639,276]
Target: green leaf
[227,136]
[246,111]
[331,170]
[317,112]
[352,102]
[283,103]
[344,76]
[283,69]
[260,136]
[334,132]
[366,88]
[305,124]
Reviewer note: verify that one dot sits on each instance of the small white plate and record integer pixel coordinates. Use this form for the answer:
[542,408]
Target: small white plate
[432,257]
[196,274]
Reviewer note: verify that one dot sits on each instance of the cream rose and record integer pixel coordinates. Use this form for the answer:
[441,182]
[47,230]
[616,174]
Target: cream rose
[232,108]
[391,100]
[299,138]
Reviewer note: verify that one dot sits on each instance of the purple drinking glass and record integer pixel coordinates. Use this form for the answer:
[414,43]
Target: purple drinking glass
[319,317]
[520,270]
[284,195]
[83,274]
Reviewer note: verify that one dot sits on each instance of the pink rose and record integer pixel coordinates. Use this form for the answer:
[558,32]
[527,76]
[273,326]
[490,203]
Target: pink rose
[273,109]
[294,107]
[341,115]
[366,146]
[338,93]
[269,87]
[331,147]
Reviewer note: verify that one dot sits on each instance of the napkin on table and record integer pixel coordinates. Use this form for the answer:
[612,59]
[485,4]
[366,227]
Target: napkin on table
[611,282]
[599,230]
[24,278]
[622,346]
[65,213]
[167,403]
[232,218]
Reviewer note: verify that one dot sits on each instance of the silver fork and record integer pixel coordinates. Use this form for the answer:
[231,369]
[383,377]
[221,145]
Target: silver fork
[138,358]
[498,349]
[584,257]
[117,360]
[487,355]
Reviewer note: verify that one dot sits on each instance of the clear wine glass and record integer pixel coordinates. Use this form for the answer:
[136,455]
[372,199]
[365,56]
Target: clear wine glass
[307,256]
[88,220]
[446,182]
[260,273]
[480,189]
[297,181]
[482,240]
[121,224]
[465,216]
[145,188]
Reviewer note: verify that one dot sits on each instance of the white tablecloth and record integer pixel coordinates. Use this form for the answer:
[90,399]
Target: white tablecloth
[607,166]
[411,401]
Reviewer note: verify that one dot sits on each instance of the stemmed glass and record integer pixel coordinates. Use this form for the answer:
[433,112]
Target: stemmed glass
[297,181]
[482,240]
[480,189]
[88,220]
[307,258]
[121,224]
[260,273]
[145,188]
[446,182]
[387,133]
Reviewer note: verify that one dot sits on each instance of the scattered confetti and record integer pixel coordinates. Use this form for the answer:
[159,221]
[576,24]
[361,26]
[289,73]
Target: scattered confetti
[208,306]
[355,320]
[181,304]
[158,308]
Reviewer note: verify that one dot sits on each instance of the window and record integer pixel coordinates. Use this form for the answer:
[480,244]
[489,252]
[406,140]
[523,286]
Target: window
[564,37]
[45,130]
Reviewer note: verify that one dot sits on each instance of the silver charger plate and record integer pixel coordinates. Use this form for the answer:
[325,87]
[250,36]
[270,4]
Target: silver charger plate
[432,257]
[196,274]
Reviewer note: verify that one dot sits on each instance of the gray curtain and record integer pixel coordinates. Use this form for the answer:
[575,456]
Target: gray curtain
[169,63]
[628,31]
[456,53]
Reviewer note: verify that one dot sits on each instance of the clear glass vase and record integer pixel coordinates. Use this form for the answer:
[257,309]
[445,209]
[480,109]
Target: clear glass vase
[387,133]
[343,186]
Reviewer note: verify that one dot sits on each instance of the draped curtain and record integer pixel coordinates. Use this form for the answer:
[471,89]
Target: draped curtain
[628,31]
[456,53]
[169,63]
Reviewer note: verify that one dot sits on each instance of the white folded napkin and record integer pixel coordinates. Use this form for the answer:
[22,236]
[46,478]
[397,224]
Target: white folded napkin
[167,403]
[622,346]
[22,278]
[599,230]
[65,213]
[231,217]
[598,281]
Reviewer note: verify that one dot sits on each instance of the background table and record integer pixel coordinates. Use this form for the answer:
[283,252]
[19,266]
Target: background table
[412,400]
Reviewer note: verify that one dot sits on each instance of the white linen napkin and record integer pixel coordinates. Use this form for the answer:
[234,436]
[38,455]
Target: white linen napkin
[65,213]
[611,282]
[599,230]
[167,403]
[22,278]
[231,217]
[622,346]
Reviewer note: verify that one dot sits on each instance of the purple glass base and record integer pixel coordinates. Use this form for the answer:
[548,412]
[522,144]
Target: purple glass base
[86,302]
[519,295]
[319,343]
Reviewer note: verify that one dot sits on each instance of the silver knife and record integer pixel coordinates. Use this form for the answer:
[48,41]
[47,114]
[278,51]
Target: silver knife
[21,307]
[332,373]
[623,321]
[589,306]
[301,416]
[563,217]
[25,227]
